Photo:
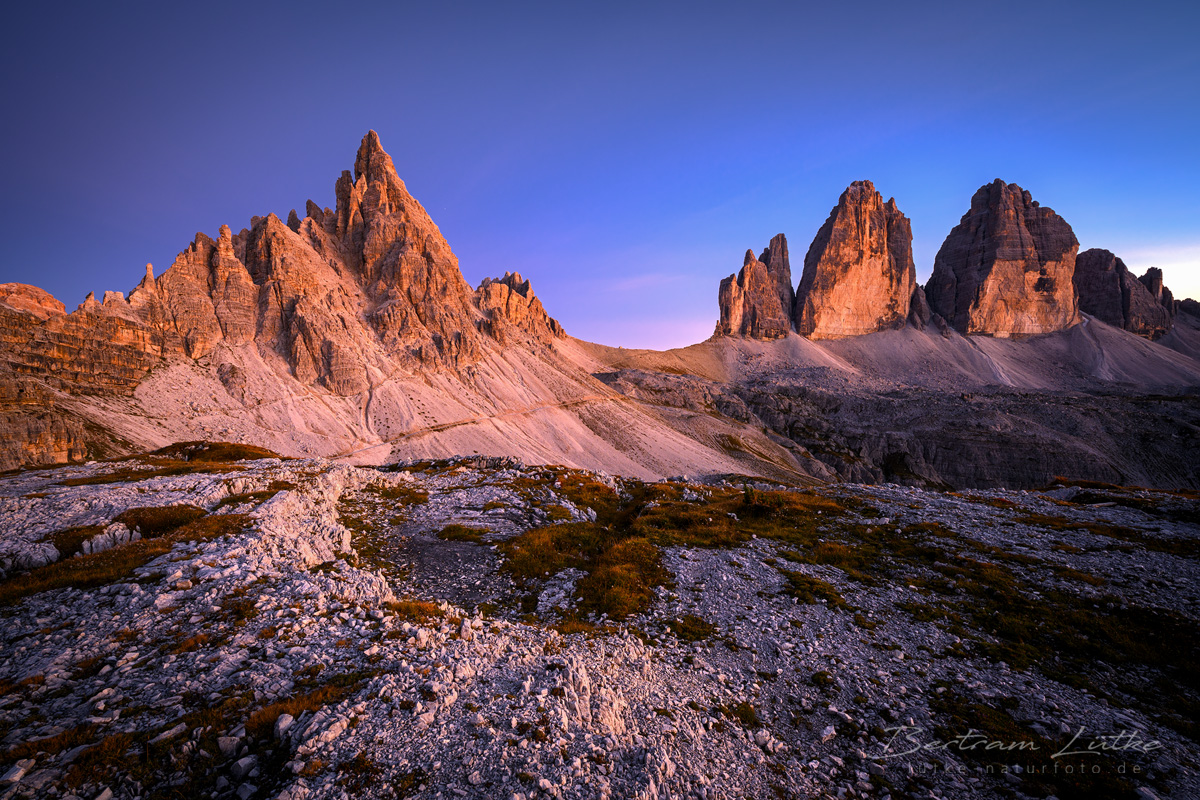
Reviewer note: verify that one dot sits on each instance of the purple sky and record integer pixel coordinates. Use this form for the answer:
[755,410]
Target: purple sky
[624,157]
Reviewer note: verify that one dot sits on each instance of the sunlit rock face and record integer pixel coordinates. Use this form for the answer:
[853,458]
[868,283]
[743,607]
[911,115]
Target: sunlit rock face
[859,274]
[757,302]
[512,311]
[1007,268]
[1110,292]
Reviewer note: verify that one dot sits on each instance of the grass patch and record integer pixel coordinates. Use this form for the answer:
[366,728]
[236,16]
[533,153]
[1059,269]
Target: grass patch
[621,570]
[191,643]
[811,590]
[418,611]
[462,533]
[261,723]
[153,521]
[401,494]
[52,745]
[214,452]
[119,563]
[70,541]
[692,628]
[1188,548]
[242,498]
[557,513]
[150,468]
[743,713]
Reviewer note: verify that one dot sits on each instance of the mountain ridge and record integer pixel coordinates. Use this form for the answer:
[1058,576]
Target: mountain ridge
[351,333]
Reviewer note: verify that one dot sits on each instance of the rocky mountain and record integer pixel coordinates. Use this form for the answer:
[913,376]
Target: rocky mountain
[1109,291]
[350,332]
[1007,267]
[859,275]
[758,301]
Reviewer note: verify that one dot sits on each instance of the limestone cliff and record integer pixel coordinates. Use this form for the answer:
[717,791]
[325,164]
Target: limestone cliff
[1007,267]
[512,310]
[757,302]
[1109,291]
[859,274]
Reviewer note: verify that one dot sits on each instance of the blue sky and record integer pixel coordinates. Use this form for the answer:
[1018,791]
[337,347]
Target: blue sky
[623,156]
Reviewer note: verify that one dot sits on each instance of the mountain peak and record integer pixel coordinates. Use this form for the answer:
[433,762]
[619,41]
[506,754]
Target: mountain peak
[373,161]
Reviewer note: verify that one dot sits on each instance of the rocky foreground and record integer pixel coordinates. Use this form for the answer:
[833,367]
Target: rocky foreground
[188,624]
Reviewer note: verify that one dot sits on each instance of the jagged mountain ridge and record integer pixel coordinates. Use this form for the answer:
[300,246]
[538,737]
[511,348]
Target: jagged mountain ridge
[350,332]
[1007,269]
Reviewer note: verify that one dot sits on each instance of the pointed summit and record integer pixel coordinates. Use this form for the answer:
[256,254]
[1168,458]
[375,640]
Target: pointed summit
[757,301]
[373,161]
[858,274]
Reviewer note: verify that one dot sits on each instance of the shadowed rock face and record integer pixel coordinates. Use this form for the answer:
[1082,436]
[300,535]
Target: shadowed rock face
[1007,267]
[1153,281]
[1109,291]
[758,301]
[859,274]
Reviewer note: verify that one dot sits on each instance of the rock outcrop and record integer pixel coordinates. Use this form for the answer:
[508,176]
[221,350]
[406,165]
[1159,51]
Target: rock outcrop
[1109,292]
[30,299]
[1007,268]
[1153,281]
[758,301]
[858,274]
[511,309]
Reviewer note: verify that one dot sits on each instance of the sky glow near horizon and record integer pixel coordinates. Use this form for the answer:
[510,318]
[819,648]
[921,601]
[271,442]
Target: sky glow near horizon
[622,156]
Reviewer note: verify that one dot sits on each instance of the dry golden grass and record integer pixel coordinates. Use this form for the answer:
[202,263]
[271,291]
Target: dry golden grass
[101,569]
[261,723]
[462,533]
[214,452]
[70,541]
[153,521]
[147,468]
[52,745]
[416,610]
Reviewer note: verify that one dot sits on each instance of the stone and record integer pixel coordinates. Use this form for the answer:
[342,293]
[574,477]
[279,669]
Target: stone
[1109,292]
[17,771]
[1007,268]
[858,274]
[757,302]
[243,767]
[282,724]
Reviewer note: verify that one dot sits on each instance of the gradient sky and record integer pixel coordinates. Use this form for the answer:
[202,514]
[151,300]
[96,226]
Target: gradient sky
[622,155]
